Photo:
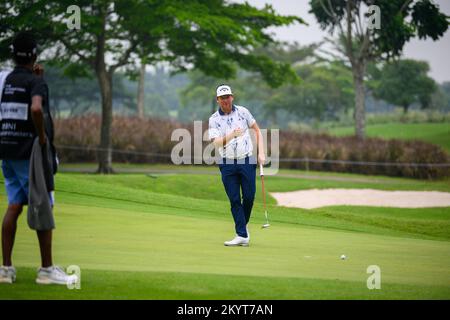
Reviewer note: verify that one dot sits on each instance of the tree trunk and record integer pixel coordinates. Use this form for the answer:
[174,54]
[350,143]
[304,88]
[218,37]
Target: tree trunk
[360,95]
[105,152]
[141,94]
[405,108]
[105,82]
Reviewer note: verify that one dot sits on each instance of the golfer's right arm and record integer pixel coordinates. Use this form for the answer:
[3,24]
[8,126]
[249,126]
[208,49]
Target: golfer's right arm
[38,117]
[222,141]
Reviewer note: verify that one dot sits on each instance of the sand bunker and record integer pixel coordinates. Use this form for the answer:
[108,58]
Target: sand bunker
[316,198]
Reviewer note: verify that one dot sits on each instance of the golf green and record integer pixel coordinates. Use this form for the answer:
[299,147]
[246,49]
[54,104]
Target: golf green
[133,243]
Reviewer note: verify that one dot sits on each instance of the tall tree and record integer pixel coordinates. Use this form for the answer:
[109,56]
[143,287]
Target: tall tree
[199,99]
[376,29]
[403,83]
[326,91]
[211,35]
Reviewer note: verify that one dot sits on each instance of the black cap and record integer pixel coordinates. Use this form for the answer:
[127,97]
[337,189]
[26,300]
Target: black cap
[24,45]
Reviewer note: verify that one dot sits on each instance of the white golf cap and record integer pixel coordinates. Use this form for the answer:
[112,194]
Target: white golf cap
[223,90]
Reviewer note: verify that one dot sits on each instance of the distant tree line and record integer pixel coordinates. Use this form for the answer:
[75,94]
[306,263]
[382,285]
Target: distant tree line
[324,93]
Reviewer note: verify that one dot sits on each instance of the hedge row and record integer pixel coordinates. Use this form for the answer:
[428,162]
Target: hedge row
[370,150]
[149,141]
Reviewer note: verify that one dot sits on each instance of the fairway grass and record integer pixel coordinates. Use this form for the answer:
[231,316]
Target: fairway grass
[436,133]
[134,239]
[190,286]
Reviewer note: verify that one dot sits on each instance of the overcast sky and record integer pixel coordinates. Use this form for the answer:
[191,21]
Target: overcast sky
[436,53]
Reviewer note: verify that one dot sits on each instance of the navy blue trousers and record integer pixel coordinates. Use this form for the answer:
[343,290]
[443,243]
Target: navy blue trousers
[237,176]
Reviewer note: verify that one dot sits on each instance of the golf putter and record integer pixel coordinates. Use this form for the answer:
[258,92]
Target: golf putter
[261,173]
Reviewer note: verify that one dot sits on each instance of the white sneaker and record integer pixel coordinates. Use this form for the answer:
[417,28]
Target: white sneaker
[7,274]
[248,233]
[237,241]
[55,275]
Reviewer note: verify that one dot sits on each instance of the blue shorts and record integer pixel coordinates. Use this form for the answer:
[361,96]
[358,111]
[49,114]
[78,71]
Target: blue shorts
[16,174]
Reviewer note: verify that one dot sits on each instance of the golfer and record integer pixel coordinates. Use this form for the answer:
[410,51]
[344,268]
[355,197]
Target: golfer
[229,130]
[25,117]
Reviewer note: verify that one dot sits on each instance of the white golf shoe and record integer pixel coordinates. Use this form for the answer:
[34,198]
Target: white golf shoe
[7,274]
[55,275]
[237,241]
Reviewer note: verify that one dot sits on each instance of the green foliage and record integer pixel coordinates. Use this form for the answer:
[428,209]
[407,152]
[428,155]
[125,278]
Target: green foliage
[198,97]
[325,91]
[79,96]
[75,96]
[71,96]
[213,36]
[400,21]
[428,21]
[404,82]
[161,98]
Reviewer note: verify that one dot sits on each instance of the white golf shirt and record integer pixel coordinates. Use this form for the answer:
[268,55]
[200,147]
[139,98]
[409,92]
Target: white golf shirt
[221,124]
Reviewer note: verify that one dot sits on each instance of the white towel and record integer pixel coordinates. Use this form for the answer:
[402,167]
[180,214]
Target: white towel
[3,75]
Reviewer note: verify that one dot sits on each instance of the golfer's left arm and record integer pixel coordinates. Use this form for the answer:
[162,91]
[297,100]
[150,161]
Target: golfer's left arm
[260,144]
